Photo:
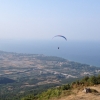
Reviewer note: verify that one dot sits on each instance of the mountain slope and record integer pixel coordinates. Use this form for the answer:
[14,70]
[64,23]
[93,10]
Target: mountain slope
[80,95]
[87,88]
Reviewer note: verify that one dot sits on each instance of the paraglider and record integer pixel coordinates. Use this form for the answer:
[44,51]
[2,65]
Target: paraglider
[60,36]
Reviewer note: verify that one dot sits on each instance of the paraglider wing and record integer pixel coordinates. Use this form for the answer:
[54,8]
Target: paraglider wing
[61,36]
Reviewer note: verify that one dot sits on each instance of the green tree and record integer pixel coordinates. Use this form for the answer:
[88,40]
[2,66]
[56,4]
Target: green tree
[66,87]
[93,80]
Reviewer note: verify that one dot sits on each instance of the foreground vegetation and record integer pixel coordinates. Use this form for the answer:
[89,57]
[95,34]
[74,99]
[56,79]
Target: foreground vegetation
[65,90]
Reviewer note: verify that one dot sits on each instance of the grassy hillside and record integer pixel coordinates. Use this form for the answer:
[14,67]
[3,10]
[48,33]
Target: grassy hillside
[71,91]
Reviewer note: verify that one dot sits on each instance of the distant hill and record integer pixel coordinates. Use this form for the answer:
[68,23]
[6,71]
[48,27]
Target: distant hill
[4,80]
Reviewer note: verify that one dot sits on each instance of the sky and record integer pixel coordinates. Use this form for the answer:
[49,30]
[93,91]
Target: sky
[43,19]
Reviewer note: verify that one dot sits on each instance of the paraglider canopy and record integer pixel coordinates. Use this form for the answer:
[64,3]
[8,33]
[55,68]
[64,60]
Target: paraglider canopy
[60,36]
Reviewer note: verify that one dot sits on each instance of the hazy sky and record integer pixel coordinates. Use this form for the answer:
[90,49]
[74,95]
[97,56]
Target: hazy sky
[43,19]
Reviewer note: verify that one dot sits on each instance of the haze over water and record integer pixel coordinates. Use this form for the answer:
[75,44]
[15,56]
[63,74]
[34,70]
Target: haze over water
[27,26]
[83,52]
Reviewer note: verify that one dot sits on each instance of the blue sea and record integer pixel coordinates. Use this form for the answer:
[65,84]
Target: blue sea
[79,51]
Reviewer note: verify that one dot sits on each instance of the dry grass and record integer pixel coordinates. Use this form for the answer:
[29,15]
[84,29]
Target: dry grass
[79,95]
